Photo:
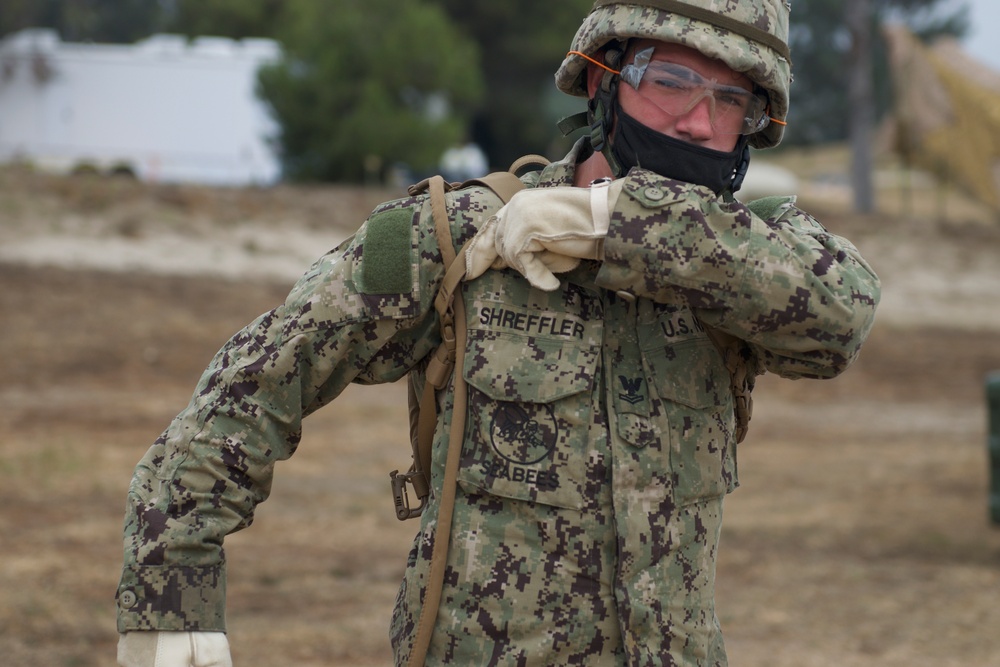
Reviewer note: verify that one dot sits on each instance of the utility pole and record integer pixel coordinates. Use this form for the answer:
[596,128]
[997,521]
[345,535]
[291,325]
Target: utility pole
[861,95]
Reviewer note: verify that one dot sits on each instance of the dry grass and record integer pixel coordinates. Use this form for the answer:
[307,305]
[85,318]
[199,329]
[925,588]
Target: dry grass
[859,537]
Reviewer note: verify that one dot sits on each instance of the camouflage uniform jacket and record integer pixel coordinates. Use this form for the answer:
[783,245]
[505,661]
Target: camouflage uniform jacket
[599,437]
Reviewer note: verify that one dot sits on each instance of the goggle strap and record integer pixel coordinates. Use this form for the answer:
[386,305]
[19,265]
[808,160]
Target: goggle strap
[592,60]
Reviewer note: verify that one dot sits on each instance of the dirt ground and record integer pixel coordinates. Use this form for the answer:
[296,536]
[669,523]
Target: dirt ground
[860,536]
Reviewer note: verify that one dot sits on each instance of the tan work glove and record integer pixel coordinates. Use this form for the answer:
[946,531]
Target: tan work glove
[158,648]
[545,231]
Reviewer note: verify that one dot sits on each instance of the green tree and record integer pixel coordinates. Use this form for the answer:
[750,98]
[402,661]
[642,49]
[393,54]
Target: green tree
[821,43]
[115,21]
[225,18]
[522,42]
[373,83]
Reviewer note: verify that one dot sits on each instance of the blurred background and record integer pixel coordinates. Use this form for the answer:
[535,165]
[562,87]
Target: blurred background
[168,168]
[256,91]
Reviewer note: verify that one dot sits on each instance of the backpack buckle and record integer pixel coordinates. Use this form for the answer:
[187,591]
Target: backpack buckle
[401,499]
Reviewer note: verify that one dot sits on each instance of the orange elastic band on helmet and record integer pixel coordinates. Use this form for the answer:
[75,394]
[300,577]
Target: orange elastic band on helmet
[588,58]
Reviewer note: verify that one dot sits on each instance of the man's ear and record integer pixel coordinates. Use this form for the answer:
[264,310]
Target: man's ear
[594,75]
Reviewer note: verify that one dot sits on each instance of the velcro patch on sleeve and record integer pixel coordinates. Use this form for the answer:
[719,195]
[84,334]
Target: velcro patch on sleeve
[387,249]
[770,207]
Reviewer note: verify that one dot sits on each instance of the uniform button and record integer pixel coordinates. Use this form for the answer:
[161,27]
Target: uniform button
[625,295]
[127,599]
[654,194]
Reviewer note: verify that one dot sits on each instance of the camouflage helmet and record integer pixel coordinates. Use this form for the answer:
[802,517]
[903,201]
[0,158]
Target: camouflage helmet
[750,36]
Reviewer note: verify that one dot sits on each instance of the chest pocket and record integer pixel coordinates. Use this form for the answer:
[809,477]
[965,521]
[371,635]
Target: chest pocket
[689,377]
[530,371]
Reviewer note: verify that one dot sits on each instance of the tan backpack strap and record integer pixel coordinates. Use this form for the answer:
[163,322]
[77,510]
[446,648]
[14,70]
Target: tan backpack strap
[446,504]
[527,160]
[440,369]
[422,401]
[423,407]
[741,378]
[442,226]
[504,183]
[441,364]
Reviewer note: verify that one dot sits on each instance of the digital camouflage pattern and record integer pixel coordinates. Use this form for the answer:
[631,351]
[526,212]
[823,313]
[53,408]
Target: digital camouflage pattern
[670,21]
[599,438]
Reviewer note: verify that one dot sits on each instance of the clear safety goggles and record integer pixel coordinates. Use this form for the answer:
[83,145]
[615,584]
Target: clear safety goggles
[677,89]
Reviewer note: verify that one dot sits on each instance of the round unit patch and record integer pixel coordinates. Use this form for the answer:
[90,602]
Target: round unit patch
[523,433]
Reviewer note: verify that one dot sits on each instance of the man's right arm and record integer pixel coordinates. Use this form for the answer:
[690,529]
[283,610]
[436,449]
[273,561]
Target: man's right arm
[361,314]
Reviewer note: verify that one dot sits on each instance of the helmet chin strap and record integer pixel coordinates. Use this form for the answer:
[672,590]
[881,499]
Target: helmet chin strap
[742,166]
[601,114]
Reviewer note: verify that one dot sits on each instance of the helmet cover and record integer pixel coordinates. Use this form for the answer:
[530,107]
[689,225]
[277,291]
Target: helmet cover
[749,36]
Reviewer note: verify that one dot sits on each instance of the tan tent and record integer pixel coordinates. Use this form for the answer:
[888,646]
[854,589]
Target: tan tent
[947,113]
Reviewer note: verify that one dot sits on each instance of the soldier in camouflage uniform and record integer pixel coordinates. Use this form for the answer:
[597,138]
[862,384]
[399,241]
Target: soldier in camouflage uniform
[599,441]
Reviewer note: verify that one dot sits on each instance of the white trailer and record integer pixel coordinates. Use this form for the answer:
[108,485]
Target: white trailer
[164,109]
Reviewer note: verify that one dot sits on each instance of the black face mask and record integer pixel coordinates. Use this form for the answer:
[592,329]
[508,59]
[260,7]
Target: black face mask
[635,145]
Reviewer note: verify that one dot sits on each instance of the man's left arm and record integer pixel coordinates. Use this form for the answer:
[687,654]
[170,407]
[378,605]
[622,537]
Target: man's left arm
[804,298]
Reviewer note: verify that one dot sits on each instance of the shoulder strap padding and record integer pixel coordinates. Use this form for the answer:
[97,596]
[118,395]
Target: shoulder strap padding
[504,183]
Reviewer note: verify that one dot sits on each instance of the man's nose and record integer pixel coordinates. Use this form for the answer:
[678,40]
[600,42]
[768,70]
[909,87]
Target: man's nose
[695,124]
